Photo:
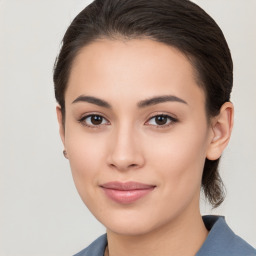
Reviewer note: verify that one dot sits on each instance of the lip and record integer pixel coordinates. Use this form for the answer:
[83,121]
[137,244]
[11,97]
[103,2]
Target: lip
[126,192]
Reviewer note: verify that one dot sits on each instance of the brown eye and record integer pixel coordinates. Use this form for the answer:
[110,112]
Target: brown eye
[93,120]
[162,120]
[96,120]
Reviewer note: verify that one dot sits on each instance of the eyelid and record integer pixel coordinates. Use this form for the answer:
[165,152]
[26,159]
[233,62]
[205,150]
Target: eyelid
[86,115]
[168,115]
[153,115]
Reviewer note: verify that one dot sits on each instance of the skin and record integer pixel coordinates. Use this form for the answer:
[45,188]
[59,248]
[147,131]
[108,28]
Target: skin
[129,145]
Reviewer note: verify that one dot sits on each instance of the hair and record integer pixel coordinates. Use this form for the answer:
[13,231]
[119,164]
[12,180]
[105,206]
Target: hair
[177,23]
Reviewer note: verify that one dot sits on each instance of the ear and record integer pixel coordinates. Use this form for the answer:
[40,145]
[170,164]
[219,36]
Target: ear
[61,127]
[221,126]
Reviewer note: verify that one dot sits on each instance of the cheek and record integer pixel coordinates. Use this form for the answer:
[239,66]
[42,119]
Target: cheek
[179,158]
[86,155]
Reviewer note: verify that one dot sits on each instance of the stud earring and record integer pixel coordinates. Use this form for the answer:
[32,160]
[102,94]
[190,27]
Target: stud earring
[65,154]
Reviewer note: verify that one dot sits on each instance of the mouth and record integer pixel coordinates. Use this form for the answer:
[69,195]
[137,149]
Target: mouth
[127,192]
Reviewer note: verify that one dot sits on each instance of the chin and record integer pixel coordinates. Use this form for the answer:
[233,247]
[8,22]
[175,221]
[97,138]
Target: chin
[130,223]
[129,229]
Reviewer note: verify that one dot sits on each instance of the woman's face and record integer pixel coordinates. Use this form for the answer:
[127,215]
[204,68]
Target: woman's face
[136,134]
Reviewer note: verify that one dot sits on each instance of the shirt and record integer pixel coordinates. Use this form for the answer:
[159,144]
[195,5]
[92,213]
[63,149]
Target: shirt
[221,241]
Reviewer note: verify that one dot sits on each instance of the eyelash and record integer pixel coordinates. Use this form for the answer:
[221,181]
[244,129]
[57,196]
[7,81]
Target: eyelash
[172,120]
[83,122]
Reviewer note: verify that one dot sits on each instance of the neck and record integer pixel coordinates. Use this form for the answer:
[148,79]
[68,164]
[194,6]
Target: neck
[183,236]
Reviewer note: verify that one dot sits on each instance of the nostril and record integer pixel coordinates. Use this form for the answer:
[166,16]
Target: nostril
[122,167]
[133,165]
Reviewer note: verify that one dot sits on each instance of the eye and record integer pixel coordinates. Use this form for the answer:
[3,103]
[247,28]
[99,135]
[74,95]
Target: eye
[161,120]
[93,120]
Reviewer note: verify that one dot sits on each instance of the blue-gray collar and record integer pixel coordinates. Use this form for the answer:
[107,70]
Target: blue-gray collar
[221,241]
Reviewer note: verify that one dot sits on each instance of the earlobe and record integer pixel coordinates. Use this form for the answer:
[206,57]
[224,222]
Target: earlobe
[60,121]
[221,129]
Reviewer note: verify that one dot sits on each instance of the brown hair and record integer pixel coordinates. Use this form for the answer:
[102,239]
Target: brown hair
[178,23]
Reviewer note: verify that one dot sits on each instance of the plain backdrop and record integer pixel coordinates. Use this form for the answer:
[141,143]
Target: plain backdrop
[41,213]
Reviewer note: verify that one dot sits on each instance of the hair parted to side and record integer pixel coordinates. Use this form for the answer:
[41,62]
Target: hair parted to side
[178,23]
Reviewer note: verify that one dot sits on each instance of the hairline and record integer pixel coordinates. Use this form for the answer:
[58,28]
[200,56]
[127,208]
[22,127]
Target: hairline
[119,37]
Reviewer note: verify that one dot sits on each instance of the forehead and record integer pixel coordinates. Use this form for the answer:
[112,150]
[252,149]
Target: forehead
[142,67]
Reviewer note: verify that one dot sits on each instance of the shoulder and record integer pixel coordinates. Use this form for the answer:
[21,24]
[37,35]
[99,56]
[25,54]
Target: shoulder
[222,240]
[96,248]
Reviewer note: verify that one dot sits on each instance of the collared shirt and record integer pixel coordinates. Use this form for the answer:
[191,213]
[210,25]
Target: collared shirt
[221,241]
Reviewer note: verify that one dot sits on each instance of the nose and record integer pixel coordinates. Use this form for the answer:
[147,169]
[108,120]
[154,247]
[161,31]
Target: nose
[125,151]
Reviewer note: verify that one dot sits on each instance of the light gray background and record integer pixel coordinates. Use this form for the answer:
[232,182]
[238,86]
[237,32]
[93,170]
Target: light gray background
[40,210]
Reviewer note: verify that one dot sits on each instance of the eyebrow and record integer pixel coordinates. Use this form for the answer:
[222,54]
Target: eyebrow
[93,100]
[160,99]
[141,104]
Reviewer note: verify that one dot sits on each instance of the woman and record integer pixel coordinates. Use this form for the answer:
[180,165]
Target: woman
[144,112]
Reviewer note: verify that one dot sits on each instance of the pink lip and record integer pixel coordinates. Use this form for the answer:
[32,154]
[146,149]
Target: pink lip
[126,193]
